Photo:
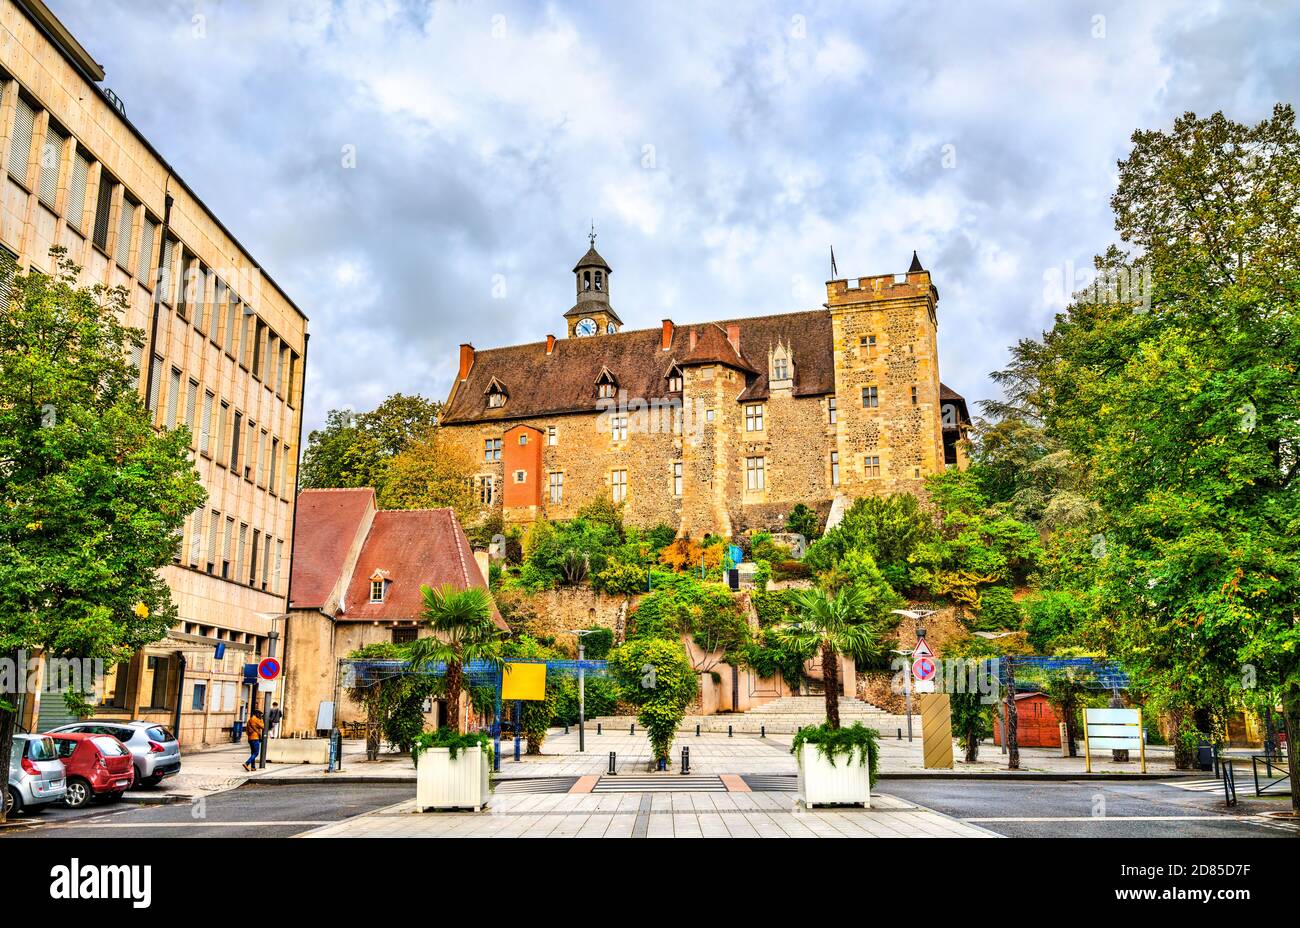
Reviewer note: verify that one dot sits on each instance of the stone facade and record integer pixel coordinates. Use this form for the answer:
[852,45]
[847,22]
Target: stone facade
[717,428]
[225,354]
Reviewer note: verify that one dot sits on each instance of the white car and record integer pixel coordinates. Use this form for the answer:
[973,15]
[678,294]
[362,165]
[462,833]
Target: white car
[36,775]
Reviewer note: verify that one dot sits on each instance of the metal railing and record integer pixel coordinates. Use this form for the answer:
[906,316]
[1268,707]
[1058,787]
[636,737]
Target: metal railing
[1276,772]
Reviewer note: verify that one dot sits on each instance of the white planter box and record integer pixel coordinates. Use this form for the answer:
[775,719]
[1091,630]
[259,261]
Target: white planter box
[820,784]
[443,782]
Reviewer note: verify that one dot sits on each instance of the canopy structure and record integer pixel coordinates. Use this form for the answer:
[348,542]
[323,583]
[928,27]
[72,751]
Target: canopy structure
[1101,674]
[367,673]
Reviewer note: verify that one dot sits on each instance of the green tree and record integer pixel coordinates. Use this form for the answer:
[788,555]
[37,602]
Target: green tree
[93,496]
[354,449]
[430,473]
[803,521]
[1181,407]
[654,675]
[889,529]
[463,630]
[830,625]
[393,703]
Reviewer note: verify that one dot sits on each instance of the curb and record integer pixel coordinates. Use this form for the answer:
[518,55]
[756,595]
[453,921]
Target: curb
[330,778]
[1033,775]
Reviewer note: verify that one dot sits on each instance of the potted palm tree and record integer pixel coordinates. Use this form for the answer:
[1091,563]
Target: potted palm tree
[452,768]
[836,765]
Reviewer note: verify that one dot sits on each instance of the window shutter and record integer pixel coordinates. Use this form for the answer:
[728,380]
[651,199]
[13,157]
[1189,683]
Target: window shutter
[144,263]
[51,158]
[205,425]
[125,222]
[20,146]
[103,203]
[155,382]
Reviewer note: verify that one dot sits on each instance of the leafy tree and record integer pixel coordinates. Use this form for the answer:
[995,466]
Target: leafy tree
[92,496]
[354,449]
[601,699]
[1182,409]
[394,704]
[1067,690]
[803,521]
[830,625]
[707,612]
[889,529]
[654,675]
[430,473]
[463,630]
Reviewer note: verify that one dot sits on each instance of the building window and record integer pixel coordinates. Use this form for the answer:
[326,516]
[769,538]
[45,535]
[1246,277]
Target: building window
[173,398]
[755,476]
[618,485]
[677,478]
[492,449]
[125,223]
[376,591]
[20,144]
[830,410]
[213,527]
[870,397]
[227,547]
[521,476]
[871,466]
[675,381]
[552,435]
[496,399]
[780,369]
[234,441]
[868,345]
[618,428]
[523,438]
[914,396]
[51,158]
[75,212]
[835,468]
[708,415]
[405,634]
[606,391]
[196,537]
[103,203]
[557,487]
[486,491]
[200,698]
[754,418]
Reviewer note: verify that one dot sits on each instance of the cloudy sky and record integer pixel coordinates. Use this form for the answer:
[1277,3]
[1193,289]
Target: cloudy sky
[421,174]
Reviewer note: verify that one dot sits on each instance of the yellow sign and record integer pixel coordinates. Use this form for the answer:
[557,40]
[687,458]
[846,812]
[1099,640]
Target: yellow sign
[523,681]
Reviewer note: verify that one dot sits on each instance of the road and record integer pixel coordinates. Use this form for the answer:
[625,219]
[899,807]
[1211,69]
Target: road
[1097,809]
[250,811]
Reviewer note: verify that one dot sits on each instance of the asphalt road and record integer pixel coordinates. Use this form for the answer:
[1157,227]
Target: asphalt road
[250,811]
[1072,809]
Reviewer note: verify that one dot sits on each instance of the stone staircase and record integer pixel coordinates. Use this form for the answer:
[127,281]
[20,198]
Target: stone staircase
[783,716]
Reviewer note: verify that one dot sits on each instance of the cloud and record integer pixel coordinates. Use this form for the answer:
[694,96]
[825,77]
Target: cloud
[719,149]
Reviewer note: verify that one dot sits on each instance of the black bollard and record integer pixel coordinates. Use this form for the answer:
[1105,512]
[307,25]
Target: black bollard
[762,731]
[900,734]
[598,728]
[613,764]
[632,730]
[566,729]
[697,729]
[662,764]
[686,760]
[728,731]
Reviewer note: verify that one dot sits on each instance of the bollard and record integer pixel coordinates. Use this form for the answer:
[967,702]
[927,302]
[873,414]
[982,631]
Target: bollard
[900,734]
[598,728]
[613,764]
[516,749]
[632,729]
[686,761]
[762,731]
[566,729]
[728,731]
[697,729]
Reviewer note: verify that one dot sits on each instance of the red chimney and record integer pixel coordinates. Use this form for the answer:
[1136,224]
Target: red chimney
[550,344]
[733,336]
[466,361]
[692,339]
[667,341]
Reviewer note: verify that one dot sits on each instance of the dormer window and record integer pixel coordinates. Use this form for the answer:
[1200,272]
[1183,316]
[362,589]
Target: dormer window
[606,385]
[496,394]
[675,380]
[781,373]
[781,368]
[377,590]
[606,391]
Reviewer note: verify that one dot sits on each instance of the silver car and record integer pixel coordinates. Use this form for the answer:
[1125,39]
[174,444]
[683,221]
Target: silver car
[36,775]
[154,749]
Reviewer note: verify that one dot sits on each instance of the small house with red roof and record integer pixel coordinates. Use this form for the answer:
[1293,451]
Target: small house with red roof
[356,580]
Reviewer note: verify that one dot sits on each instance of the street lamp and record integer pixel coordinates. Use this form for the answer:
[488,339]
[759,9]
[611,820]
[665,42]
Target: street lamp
[582,685]
[916,615]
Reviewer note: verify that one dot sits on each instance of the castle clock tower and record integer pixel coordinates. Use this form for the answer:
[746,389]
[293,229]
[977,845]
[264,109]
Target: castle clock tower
[592,314]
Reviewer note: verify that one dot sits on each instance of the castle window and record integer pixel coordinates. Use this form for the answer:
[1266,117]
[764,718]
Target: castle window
[618,485]
[618,428]
[871,466]
[914,396]
[868,345]
[780,369]
[521,476]
[675,383]
[606,391]
[755,475]
[677,478]
[552,436]
[486,490]
[586,280]
[870,397]
[557,487]
[492,449]
[754,418]
[835,468]
[376,591]
[830,410]
[523,438]
[496,399]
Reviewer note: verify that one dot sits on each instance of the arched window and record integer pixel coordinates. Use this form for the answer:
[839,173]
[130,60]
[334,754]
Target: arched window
[600,281]
[586,280]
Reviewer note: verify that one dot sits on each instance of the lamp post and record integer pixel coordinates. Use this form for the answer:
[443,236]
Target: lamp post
[916,615]
[582,686]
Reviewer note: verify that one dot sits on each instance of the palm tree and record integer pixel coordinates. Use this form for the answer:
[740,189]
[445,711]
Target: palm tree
[463,630]
[832,625]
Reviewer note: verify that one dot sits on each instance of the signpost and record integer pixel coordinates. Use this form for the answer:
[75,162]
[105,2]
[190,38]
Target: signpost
[268,673]
[923,668]
[1113,730]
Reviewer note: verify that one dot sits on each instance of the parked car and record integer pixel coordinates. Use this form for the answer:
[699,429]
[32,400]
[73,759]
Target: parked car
[36,775]
[97,766]
[154,749]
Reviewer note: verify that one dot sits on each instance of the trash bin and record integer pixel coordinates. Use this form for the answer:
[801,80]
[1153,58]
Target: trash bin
[1205,756]
[237,730]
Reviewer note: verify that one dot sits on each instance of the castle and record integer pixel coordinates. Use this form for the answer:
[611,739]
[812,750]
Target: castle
[716,427]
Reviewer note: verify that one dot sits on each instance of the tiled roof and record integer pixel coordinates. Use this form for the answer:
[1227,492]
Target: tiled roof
[326,525]
[414,548]
[949,395]
[565,380]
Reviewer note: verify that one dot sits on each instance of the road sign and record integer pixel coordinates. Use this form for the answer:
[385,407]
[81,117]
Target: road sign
[268,669]
[923,668]
[922,649]
[266,686]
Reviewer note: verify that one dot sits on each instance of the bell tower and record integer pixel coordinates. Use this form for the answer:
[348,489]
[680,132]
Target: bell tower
[592,314]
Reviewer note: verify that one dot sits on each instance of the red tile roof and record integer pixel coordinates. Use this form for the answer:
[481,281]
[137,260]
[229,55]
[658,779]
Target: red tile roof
[414,548]
[326,525]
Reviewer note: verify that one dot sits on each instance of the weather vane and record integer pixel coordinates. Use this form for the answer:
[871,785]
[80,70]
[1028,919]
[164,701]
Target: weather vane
[591,236]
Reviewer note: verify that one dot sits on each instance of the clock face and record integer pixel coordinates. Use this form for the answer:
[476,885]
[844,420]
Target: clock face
[586,327]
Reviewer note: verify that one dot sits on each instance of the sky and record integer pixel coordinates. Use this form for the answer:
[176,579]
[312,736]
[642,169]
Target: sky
[416,175]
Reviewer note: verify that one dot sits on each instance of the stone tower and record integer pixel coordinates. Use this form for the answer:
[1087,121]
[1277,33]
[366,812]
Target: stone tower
[592,314]
[885,342]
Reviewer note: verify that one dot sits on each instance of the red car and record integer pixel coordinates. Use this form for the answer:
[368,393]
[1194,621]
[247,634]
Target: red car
[98,766]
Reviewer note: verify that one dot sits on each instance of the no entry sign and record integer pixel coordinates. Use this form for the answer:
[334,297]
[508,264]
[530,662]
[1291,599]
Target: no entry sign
[268,669]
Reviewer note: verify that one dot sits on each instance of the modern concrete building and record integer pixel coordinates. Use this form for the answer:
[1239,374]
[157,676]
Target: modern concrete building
[225,354]
[717,427]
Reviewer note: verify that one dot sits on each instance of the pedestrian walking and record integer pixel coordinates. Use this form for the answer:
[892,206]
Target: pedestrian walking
[255,729]
[273,721]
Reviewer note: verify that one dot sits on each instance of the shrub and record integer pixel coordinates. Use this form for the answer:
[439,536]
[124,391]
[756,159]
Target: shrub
[997,609]
[803,521]
[655,676]
[620,579]
[597,644]
[601,699]
[856,740]
[888,528]
[790,570]
[453,741]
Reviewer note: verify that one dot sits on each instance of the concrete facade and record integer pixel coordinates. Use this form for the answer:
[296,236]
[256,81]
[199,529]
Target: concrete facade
[224,354]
